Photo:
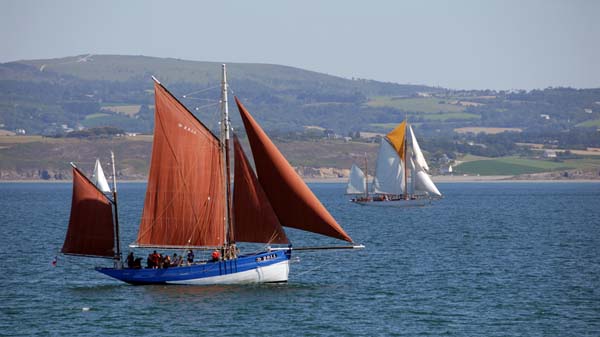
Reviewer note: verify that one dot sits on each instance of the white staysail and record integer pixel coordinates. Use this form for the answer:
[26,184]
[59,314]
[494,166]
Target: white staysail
[357,182]
[412,170]
[419,158]
[423,184]
[389,178]
[99,179]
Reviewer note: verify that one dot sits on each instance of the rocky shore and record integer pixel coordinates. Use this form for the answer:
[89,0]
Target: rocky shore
[311,174]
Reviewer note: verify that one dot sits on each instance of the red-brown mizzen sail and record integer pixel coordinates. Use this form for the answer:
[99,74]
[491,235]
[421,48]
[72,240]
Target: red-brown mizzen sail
[185,198]
[91,228]
[294,203]
[254,218]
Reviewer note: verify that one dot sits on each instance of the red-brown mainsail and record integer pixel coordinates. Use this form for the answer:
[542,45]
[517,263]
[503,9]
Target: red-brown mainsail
[185,198]
[91,228]
[293,202]
[254,218]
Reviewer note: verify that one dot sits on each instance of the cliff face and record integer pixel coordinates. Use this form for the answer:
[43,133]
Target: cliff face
[130,173]
[322,172]
[139,172]
[34,174]
[62,175]
[41,158]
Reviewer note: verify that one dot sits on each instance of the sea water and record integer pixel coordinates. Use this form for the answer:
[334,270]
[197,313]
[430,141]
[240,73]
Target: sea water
[490,259]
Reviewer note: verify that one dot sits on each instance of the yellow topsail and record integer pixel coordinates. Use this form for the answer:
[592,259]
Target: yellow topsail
[397,138]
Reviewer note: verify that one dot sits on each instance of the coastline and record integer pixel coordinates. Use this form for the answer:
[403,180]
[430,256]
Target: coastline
[436,179]
[469,179]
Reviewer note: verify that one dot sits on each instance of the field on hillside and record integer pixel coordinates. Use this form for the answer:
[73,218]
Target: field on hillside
[11,139]
[590,123]
[516,165]
[129,110]
[445,116]
[423,104]
[96,115]
[486,130]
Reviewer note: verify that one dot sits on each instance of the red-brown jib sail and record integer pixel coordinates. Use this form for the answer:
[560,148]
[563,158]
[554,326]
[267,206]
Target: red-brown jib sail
[91,228]
[294,203]
[185,198]
[254,218]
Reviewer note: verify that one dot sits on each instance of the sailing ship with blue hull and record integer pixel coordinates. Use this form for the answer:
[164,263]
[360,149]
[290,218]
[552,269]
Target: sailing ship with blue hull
[191,205]
[401,174]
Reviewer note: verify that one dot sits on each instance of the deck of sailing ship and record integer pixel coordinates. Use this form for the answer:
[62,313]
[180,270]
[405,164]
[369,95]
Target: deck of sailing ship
[189,203]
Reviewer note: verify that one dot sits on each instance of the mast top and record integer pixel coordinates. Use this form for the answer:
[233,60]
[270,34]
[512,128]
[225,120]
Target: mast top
[155,79]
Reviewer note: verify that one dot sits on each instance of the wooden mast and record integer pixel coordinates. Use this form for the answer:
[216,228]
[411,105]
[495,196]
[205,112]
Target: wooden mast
[114,193]
[225,127]
[405,166]
[366,177]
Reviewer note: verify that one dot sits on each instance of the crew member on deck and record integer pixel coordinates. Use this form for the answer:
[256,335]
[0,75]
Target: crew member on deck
[155,259]
[176,260]
[215,255]
[130,260]
[190,257]
[150,261]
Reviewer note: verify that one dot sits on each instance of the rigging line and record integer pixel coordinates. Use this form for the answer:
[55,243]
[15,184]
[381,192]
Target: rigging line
[266,245]
[211,115]
[259,250]
[316,268]
[199,99]
[201,90]
[230,89]
[206,105]
[197,222]
[273,237]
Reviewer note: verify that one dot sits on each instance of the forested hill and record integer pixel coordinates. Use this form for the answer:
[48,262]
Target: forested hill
[60,95]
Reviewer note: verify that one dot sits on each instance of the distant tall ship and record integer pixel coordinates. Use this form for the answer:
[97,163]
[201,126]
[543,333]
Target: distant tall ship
[401,174]
[190,205]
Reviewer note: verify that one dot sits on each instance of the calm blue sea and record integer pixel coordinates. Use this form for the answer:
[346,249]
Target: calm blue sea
[491,259]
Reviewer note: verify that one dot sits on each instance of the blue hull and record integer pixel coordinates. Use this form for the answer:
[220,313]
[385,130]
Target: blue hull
[270,266]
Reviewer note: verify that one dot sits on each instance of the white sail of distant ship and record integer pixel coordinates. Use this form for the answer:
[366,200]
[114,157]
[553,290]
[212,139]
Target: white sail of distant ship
[99,179]
[418,155]
[389,171]
[397,162]
[357,182]
[422,183]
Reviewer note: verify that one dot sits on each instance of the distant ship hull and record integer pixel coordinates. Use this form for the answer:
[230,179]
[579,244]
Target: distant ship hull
[394,203]
[265,267]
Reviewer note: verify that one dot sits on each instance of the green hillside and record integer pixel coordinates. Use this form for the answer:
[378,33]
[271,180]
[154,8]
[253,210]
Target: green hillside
[55,96]
[169,71]
[41,96]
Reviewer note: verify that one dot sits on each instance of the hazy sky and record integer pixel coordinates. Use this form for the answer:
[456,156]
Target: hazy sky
[454,44]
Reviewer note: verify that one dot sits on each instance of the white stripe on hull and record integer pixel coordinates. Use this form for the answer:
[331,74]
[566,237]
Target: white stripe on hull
[277,272]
